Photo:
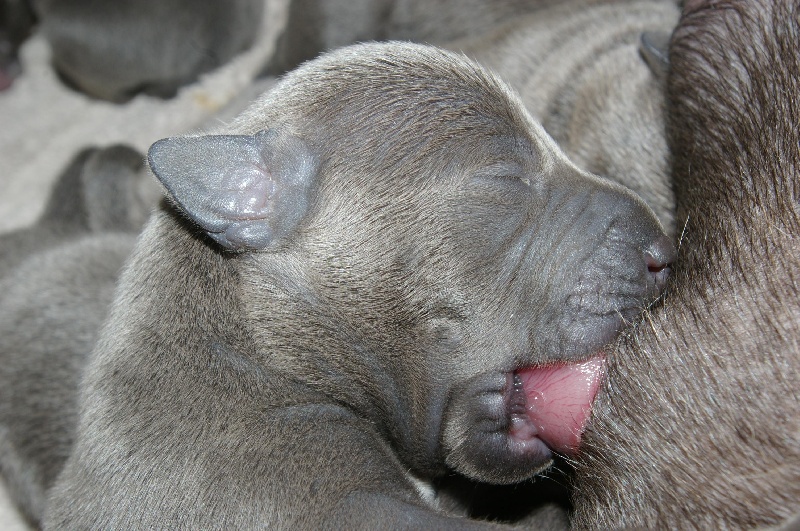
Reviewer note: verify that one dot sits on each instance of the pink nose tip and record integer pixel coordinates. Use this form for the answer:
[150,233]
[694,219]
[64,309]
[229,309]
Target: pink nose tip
[659,258]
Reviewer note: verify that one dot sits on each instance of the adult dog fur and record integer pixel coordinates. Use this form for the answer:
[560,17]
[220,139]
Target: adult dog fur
[700,424]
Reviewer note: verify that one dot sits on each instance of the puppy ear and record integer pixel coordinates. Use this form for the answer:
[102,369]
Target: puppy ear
[654,49]
[245,192]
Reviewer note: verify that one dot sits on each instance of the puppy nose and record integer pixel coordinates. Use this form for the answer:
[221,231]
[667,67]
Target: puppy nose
[659,258]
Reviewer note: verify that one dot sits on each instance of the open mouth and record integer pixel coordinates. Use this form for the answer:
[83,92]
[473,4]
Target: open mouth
[505,427]
[552,403]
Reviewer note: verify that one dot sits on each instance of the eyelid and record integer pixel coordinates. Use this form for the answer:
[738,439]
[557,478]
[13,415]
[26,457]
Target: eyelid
[500,171]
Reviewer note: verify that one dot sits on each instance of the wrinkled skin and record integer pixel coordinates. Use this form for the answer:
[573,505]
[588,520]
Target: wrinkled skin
[346,299]
[699,425]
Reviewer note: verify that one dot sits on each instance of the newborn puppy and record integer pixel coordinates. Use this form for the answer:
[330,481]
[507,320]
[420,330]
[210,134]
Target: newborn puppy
[114,50]
[57,281]
[101,190]
[384,272]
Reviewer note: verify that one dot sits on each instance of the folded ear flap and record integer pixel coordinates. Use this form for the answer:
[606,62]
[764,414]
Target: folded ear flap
[654,48]
[246,192]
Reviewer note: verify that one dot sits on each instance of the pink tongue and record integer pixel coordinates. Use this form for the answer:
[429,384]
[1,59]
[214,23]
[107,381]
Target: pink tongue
[560,399]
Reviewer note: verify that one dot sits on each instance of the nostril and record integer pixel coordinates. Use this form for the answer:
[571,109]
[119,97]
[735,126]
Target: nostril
[660,274]
[659,258]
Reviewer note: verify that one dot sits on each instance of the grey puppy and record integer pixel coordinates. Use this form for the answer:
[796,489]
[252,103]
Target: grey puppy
[382,273]
[314,26]
[582,68]
[100,190]
[114,50]
[68,260]
[700,425]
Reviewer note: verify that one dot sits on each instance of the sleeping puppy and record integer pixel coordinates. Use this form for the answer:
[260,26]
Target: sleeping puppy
[592,71]
[101,190]
[114,50]
[69,259]
[383,273]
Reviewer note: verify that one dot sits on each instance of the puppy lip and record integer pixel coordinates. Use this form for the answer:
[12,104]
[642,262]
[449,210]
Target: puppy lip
[552,403]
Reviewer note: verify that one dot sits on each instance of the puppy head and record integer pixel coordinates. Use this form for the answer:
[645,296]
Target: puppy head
[413,245]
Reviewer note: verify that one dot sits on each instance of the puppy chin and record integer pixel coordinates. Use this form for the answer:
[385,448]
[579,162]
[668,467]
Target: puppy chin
[508,427]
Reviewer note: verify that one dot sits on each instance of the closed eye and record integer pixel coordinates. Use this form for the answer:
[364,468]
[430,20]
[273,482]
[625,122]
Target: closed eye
[525,180]
[509,173]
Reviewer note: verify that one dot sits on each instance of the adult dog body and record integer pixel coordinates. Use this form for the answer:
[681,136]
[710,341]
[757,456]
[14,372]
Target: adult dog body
[700,425]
